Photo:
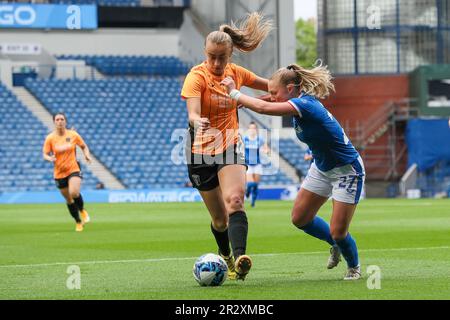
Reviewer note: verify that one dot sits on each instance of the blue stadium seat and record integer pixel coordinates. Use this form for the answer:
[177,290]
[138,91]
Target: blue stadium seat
[128,123]
[293,153]
[21,138]
[134,65]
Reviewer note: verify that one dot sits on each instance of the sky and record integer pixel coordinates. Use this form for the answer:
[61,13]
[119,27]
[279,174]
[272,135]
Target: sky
[305,9]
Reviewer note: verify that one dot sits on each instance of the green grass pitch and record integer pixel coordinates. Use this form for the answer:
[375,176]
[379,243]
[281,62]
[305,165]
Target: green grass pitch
[146,251]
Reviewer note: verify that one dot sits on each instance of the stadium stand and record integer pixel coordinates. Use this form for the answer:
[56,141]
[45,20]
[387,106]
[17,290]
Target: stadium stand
[133,65]
[293,153]
[117,3]
[138,114]
[128,124]
[21,138]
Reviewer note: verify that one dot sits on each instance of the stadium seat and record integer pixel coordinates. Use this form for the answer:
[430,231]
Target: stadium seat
[293,153]
[128,124]
[134,65]
[21,138]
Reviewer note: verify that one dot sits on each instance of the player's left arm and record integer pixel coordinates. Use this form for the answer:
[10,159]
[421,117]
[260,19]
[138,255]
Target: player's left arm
[269,108]
[86,152]
[257,105]
[251,80]
[260,84]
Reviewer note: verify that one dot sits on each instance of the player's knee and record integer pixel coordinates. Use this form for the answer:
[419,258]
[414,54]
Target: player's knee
[338,233]
[236,201]
[298,218]
[220,224]
[74,194]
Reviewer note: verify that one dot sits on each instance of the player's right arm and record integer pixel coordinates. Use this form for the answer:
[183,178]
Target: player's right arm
[194,107]
[192,92]
[46,151]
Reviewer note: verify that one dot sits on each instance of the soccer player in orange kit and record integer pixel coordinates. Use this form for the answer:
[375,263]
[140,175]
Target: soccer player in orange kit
[60,149]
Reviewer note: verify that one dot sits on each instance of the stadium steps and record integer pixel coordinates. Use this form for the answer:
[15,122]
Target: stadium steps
[93,73]
[286,167]
[97,168]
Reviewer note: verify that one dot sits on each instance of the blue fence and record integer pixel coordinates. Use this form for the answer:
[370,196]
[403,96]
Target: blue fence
[428,142]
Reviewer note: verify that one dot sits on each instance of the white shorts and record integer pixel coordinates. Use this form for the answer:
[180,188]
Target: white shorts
[343,184]
[255,169]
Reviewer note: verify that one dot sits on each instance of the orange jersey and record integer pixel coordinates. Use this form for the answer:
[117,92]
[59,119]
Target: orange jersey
[64,149]
[216,105]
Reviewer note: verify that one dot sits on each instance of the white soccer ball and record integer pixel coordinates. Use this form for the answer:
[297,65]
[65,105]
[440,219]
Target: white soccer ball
[210,270]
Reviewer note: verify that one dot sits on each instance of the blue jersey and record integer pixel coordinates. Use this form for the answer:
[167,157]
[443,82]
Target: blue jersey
[252,150]
[322,133]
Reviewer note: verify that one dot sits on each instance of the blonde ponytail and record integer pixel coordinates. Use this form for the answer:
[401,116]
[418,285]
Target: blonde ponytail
[316,81]
[247,36]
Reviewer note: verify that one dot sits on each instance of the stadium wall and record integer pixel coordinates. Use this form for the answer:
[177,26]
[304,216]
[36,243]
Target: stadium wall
[357,97]
[356,100]
[100,42]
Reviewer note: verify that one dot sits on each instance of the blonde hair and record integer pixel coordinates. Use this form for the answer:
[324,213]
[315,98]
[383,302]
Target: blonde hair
[246,37]
[316,81]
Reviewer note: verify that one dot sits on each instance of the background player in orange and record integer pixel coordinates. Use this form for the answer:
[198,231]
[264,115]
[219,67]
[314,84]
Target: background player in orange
[216,162]
[60,149]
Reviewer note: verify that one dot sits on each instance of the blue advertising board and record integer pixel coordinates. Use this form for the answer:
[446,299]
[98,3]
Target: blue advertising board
[47,16]
[145,195]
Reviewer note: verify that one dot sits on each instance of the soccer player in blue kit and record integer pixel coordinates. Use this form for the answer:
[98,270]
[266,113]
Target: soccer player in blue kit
[337,170]
[254,145]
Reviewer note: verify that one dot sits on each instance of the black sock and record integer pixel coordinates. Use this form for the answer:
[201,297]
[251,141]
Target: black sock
[222,241]
[73,209]
[237,231]
[79,202]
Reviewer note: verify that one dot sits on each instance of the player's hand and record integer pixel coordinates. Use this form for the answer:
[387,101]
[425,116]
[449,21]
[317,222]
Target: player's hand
[228,83]
[52,159]
[88,159]
[203,124]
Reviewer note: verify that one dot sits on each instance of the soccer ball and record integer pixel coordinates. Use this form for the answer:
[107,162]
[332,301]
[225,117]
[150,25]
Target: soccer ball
[210,270]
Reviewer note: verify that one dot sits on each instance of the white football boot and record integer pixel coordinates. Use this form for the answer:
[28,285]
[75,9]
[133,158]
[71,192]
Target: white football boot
[335,257]
[353,273]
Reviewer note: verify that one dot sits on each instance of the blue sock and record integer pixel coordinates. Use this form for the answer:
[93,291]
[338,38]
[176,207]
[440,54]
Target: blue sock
[349,250]
[320,229]
[249,188]
[254,193]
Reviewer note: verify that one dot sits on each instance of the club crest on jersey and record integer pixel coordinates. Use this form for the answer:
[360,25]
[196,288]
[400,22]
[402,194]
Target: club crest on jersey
[221,101]
[67,139]
[298,129]
[196,179]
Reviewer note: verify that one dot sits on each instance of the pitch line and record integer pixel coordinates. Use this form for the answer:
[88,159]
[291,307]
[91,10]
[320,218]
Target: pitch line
[193,258]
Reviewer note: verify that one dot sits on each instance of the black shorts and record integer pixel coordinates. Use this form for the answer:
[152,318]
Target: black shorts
[64,182]
[203,169]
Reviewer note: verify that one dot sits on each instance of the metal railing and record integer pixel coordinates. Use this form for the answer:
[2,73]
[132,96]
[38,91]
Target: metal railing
[383,161]
[366,132]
